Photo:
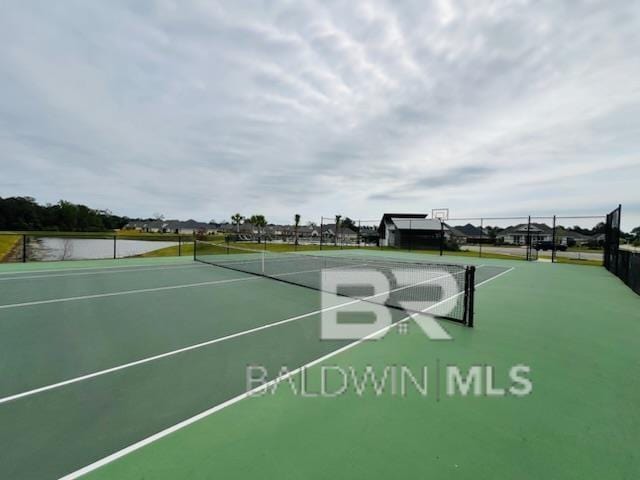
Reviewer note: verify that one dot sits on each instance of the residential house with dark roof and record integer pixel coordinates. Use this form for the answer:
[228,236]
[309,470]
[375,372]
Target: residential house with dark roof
[541,232]
[188,227]
[469,233]
[343,234]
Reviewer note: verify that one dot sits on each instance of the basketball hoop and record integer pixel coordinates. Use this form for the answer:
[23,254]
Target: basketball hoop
[440,213]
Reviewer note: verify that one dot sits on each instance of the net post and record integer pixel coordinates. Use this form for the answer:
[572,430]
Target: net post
[469,295]
[194,248]
[24,248]
[115,251]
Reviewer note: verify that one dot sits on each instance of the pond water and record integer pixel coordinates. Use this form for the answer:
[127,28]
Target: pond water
[59,248]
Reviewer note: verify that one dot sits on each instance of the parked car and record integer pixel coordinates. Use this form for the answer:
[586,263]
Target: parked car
[549,246]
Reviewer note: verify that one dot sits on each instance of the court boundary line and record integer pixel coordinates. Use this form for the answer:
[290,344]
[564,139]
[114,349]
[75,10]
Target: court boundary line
[206,413]
[143,269]
[249,276]
[80,378]
[92,268]
[122,292]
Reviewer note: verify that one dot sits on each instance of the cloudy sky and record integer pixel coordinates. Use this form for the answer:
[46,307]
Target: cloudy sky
[202,109]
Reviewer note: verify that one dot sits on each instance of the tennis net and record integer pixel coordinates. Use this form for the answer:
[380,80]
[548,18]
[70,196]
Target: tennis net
[438,289]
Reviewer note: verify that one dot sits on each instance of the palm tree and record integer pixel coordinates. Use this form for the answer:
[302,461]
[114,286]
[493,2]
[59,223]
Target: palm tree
[259,222]
[296,219]
[237,220]
[335,239]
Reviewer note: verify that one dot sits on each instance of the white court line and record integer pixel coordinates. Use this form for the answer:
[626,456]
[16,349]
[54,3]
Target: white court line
[144,269]
[174,428]
[202,344]
[89,268]
[167,354]
[495,276]
[146,290]
[125,292]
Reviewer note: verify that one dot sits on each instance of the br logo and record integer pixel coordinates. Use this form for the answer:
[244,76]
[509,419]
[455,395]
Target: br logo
[367,317]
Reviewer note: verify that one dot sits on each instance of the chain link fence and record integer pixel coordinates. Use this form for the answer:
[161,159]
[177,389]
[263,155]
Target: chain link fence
[587,240]
[623,262]
[54,246]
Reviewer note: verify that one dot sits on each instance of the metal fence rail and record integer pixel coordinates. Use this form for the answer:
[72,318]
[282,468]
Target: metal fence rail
[553,238]
[56,246]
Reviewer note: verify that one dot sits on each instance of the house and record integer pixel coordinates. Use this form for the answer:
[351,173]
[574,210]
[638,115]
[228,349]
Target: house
[147,226]
[369,235]
[178,227]
[541,232]
[308,231]
[566,236]
[189,227]
[340,235]
[287,233]
[137,226]
[518,234]
[412,230]
[469,233]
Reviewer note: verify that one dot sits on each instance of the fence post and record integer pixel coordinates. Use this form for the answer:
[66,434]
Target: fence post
[528,240]
[617,237]
[194,248]
[410,235]
[481,235]
[24,248]
[115,250]
[441,238]
[179,246]
[553,241]
[607,237]
[321,232]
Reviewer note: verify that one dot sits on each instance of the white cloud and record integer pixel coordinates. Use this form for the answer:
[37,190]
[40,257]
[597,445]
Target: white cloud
[200,109]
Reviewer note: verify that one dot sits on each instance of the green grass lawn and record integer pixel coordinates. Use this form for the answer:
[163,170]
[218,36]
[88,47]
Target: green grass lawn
[579,261]
[187,250]
[7,245]
[584,249]
[466,253]
[461,253]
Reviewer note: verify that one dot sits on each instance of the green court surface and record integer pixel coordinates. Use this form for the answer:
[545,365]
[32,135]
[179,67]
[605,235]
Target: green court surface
[137,369]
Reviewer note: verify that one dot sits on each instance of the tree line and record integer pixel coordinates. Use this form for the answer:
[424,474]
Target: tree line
[24,213]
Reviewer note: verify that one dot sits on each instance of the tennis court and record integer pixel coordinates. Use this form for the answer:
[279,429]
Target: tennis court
[137,369]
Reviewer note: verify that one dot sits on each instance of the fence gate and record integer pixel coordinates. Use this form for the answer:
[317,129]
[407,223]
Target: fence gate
[612,240]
